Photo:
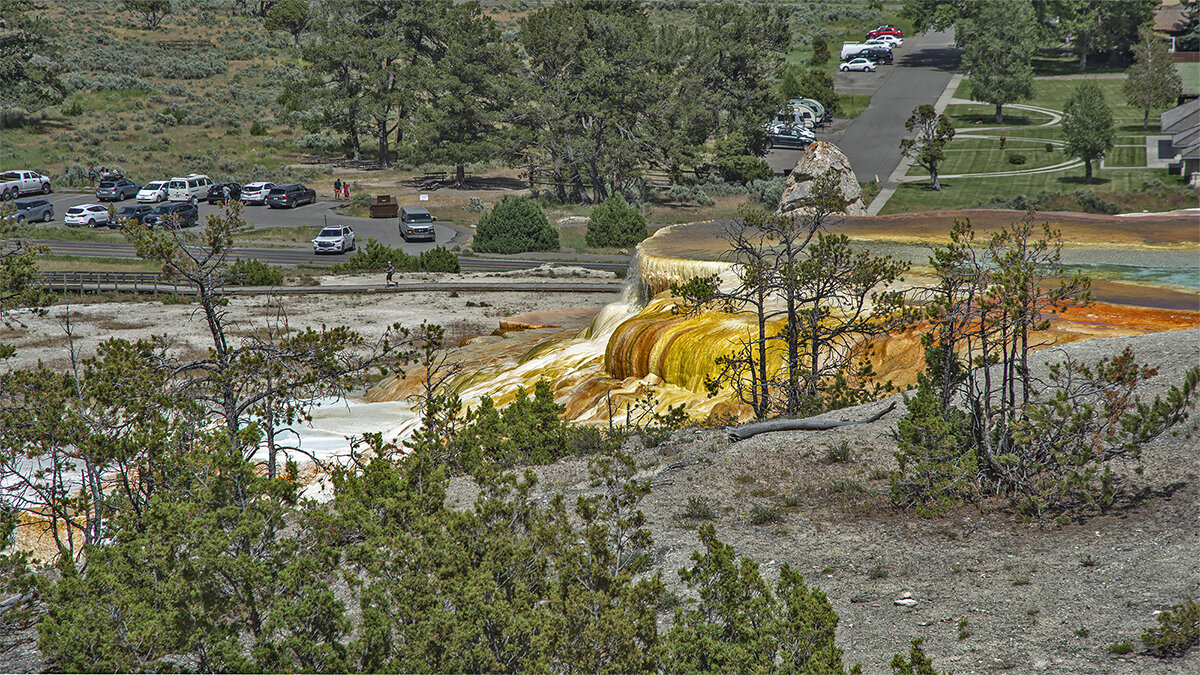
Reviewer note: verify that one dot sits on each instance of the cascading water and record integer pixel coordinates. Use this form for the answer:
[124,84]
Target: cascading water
[641,344]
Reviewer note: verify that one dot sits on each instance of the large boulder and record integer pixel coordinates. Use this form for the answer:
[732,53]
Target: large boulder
[819,159]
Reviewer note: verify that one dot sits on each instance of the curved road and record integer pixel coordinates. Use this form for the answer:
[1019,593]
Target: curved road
[923,69]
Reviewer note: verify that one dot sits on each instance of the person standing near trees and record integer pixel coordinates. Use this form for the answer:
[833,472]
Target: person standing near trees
[346,189]
[337,188]
[92,176]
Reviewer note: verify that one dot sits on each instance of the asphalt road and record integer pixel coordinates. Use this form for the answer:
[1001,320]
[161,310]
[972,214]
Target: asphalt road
[923,68]
[303,255]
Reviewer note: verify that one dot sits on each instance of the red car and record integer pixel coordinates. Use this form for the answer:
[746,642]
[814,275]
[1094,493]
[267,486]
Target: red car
[885,30]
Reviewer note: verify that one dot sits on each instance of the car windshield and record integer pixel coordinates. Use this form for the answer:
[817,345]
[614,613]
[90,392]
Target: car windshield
[420,218]
[75,209]
[278,191]
[331,232]
[27,204]
[129,210]
[153,186]
[107,184]
[9,175]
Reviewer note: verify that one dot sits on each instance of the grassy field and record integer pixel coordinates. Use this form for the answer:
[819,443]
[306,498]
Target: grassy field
[1120,181]
[969,192]
[983,160]
[965,116]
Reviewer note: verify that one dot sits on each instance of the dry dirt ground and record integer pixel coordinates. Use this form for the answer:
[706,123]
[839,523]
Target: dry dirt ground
[1035,597]
[92,321]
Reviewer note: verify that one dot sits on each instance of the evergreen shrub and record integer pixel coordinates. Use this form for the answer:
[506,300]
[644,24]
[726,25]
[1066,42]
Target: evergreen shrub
[615,224]
[515,225]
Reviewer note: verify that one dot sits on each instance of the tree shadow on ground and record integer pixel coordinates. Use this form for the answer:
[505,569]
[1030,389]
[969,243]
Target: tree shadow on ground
[471,183]
[944,59]
[1081,180]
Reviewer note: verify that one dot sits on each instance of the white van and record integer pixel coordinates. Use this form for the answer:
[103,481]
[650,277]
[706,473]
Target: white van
[187,188]
[853,49]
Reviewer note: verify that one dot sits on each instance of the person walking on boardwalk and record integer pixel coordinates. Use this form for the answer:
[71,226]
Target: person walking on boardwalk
[390,271]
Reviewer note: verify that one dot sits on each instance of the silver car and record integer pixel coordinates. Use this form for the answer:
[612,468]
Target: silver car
[34,210]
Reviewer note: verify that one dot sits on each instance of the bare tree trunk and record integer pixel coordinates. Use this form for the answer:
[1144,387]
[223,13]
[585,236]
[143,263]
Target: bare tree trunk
[1087,176]
[999,114]
[807,424]
[460,175]
[271,449]
[933,178]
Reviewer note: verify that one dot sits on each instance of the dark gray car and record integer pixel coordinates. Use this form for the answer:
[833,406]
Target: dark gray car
[416,223]
[137,212]
[34,210]
[117,190]
[175,214]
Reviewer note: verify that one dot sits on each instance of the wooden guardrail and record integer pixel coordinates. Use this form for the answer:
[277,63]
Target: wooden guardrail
[135,282]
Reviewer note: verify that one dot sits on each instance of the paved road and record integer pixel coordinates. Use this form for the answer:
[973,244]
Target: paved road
[924,66]
[383,230]
[303,255]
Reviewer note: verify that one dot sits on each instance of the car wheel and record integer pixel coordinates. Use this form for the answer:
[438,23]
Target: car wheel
[845,69]
[45,188]
[47,217]
[91,223]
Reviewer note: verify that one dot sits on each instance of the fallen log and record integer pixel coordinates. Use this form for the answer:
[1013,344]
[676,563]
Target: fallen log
[745,431]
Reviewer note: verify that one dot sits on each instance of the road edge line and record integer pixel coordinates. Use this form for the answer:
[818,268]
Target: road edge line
[893,181]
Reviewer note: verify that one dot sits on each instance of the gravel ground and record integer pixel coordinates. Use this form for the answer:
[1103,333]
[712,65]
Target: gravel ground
[1026,591]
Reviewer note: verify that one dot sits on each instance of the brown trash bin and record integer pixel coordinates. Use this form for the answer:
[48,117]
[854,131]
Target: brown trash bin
[385,206]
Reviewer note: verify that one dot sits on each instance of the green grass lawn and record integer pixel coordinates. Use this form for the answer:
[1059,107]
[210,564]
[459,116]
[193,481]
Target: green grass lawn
[968,192]
[1190,74]
[1126,156]
[986,160]
[1053,94]
[70,233]
[965,116]
[1054,62]
[279,234]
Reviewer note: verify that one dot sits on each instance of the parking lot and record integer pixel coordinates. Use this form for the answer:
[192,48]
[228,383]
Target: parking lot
[319,214]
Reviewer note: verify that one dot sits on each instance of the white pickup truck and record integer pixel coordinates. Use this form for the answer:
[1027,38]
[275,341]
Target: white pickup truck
[13,184]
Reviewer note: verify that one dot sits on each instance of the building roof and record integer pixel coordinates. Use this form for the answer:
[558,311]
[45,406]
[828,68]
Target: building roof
[1186,137]
[1180,117]
[1192,151]
[1170,19]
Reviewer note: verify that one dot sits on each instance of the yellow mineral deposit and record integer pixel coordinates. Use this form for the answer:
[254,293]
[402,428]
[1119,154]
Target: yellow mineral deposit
[644,344]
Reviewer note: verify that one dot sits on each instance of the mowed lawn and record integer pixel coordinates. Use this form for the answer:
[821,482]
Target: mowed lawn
[969,192]
[971,155]
[983,155]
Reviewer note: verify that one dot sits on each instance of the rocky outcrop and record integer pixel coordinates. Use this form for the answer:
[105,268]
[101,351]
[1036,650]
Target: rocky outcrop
[818,159]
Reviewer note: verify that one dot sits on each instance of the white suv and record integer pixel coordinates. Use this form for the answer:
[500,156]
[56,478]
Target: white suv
[92,215]
[256,193]
[334,240]
[192,187]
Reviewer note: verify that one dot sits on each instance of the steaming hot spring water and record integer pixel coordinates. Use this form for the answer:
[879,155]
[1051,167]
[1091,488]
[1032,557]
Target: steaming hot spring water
[1145,277]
